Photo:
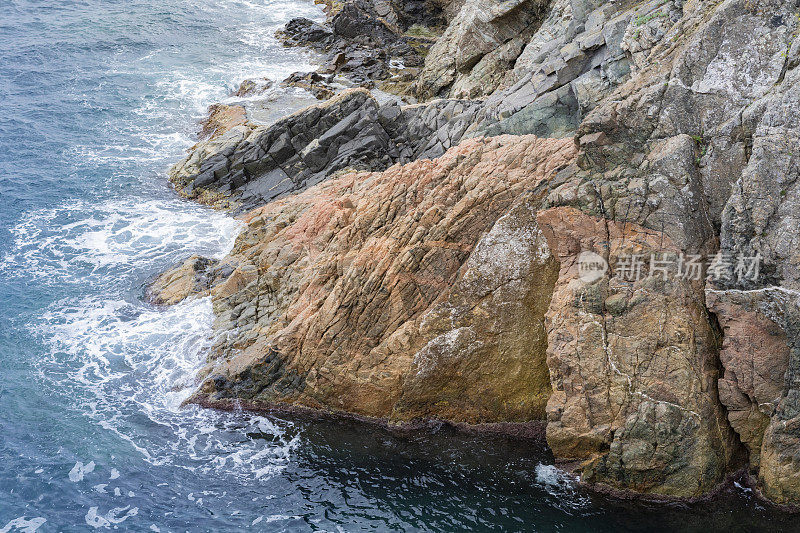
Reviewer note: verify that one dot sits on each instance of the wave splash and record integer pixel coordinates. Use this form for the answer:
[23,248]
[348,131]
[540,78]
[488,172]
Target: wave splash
[122,362]
[561,487]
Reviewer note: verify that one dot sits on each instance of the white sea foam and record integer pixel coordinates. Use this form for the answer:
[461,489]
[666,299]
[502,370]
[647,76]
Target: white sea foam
[114,516]
[561,486]
[274,518]
[192,87]
[119,359]
[80,470]
[66,244]
[136,360]
[551,476]
[24,524]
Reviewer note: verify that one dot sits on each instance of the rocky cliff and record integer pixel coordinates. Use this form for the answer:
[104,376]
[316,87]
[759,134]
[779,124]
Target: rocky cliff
[572,212]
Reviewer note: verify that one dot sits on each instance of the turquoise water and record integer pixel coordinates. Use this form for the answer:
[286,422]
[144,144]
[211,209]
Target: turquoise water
[97,98]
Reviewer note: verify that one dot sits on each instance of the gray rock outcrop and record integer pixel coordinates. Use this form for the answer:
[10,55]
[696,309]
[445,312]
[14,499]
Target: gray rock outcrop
[250,165]
[674,134]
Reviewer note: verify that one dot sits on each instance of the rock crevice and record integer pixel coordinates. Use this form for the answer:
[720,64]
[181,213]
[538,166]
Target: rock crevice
[423,261]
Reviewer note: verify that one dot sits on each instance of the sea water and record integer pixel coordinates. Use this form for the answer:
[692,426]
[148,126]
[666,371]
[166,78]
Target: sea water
[97,98]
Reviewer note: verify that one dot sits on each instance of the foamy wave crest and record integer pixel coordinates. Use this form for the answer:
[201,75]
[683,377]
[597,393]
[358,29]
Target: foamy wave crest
[76,240]
[561,486]
[128,365]
[24,524]
[125,360]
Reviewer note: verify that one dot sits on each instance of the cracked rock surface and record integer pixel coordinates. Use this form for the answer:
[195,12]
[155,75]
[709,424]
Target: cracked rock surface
[417,261]
[403,294]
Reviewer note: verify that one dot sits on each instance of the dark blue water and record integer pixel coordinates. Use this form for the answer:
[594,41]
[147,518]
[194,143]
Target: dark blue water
[96,99]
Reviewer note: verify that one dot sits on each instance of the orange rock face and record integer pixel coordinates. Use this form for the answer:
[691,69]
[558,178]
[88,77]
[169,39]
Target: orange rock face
[442,289]
[755,356]
[418,292]
[758,387]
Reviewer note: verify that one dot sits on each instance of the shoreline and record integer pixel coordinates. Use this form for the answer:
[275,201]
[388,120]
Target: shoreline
[603,134]
[521,432]
[533,431]
[345,355]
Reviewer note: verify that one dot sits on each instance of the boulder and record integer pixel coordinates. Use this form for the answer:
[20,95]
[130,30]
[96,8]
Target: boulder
[220,119]
[253,87]
[418,292]
[191,278]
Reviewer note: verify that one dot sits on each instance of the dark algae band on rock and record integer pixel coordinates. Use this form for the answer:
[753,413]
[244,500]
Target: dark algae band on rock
[417,255]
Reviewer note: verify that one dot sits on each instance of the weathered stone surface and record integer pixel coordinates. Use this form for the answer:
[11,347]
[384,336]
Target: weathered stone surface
[320,86]
[253,87]
[428,130]
[249,164]
[760,382]
[397,294]
[761,216]
[755,358]
[650,22]
[632,365]
[661,163]
[572,61]
[674,157]
[193,277]
[487,335]
[220,119]
[484,39]
[760,220]
[302,31]
[435,289]
[363,39]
